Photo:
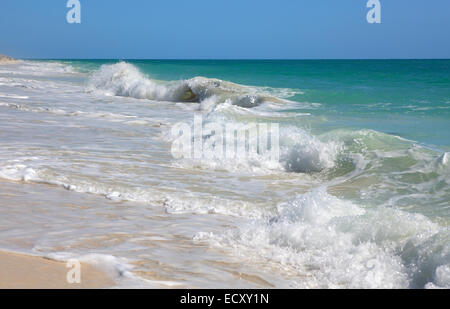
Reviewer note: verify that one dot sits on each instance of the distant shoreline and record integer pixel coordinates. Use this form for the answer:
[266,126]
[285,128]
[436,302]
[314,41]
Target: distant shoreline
[6,59]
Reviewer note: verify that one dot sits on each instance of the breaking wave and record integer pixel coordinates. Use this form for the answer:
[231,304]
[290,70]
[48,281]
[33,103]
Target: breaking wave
[326,242]
[124,79]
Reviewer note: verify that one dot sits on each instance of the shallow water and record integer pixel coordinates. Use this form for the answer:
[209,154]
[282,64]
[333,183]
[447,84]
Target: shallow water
[359,197]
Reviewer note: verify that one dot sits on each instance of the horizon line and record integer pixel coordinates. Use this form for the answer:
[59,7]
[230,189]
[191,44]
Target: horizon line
[230,59]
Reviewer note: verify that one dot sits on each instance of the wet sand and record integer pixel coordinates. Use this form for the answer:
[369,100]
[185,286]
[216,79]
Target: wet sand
[19,271]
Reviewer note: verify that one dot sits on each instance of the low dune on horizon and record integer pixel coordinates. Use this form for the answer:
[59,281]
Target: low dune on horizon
[5,59]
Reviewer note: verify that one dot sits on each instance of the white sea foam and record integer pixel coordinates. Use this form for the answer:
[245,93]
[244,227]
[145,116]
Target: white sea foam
[37,68]
[332,243]
[304,153]
[115,267]
[174,202]
[18,172]
[445,158]
[13,96]
[118,269]
[441,278]
[124,79]
[114,117]
[300,152]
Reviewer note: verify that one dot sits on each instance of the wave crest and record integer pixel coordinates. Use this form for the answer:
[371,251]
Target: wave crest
[124,79]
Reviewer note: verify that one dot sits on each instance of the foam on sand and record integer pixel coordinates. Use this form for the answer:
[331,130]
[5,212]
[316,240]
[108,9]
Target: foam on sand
[327,242]
[20,271]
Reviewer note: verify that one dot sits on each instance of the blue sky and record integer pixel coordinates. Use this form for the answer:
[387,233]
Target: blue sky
[219,29]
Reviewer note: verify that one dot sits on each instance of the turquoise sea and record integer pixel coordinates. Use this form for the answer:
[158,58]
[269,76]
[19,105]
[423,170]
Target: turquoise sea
[358,198]
[390,96]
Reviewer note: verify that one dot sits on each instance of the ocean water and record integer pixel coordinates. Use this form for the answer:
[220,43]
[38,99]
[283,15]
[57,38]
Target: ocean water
[359,197]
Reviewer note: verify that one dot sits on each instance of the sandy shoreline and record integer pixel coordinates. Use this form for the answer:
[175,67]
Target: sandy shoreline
[18,271]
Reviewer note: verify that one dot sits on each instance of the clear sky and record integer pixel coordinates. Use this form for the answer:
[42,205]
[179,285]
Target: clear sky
[222,29]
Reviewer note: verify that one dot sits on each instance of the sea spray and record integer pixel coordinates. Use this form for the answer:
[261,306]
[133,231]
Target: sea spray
[124,79]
